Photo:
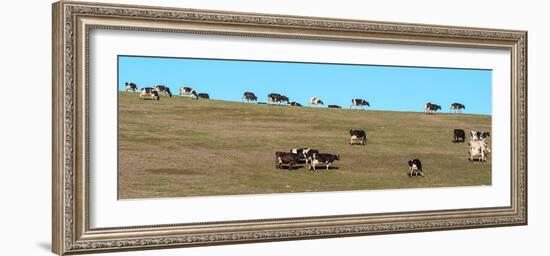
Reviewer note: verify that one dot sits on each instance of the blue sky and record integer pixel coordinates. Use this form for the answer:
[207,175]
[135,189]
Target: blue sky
[385,87]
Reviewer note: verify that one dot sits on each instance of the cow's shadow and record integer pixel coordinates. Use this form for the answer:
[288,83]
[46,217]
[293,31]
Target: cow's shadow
[295,167]
[323,168]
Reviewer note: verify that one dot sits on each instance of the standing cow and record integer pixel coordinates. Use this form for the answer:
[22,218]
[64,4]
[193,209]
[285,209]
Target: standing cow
[459,135]
[322,158]
[479,135]
[286,158]
[457,108]
[359,103]
[130,87]
[188,91]
[304,153]
[149,93]
[357,137]
[431,108]
[415,168]
[249,96]
[315,101]
[478,150]
[165,90]
[277,98]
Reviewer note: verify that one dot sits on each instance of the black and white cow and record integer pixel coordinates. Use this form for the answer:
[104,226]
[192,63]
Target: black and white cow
[322,159]
[286,158]
[479,135]
[315,101]
[295,104]
[204,96]
[130,87]
[357,137]
[333,106]
[249,96]
[165,90]
[149,93]
[415,168]
[457,108]
[359,103]
[459,135]
[304,153]
[431,108]
[188,91]
[277,98]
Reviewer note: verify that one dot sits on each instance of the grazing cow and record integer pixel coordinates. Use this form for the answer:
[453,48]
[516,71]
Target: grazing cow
[431,108]
[415,168]
[322,158]
[286,158]
[149,93]
[457,107]
[130,87]
[277,98]
[249,96]
[359,103]
[333,106]
[459,135]
[479,135]
[304,153]
[315,101]
[357,137]
[188,91]
[204,96]
[295,104]
[478,150]
[164,89]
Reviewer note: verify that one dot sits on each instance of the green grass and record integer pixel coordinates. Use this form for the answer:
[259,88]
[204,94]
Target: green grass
[181,147]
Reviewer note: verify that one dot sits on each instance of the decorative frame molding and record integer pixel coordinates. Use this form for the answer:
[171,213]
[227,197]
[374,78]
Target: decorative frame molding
[72,22]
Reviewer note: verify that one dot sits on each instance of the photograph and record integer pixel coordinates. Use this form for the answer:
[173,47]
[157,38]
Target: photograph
[205,127]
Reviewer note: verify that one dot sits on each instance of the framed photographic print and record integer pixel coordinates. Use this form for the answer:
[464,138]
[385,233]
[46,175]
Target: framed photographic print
[179,127]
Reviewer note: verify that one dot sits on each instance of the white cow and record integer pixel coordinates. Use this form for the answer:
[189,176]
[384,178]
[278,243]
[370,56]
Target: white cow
[315,101]
[478,150]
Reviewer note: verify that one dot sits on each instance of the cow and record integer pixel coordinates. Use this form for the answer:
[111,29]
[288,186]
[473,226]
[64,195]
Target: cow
[415,168]
[277,98]
[479,135]
[165,90]
[333,106]
[304,153]
[249,96]
[188,91]
[204,96]
[295,104]
[357,137]
[459,135]
[431,108]
[149,93]
[322,158]
[359,103]
[315,101]
[130,87]
[457,108]
[286,158]
[478,150]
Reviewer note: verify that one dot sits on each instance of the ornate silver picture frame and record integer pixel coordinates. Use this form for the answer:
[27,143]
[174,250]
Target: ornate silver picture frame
[74,21]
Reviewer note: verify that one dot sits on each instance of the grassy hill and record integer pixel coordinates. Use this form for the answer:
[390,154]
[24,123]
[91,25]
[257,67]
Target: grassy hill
[183,147]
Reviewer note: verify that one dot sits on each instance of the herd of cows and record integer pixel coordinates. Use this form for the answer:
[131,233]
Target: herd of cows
[478,147]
